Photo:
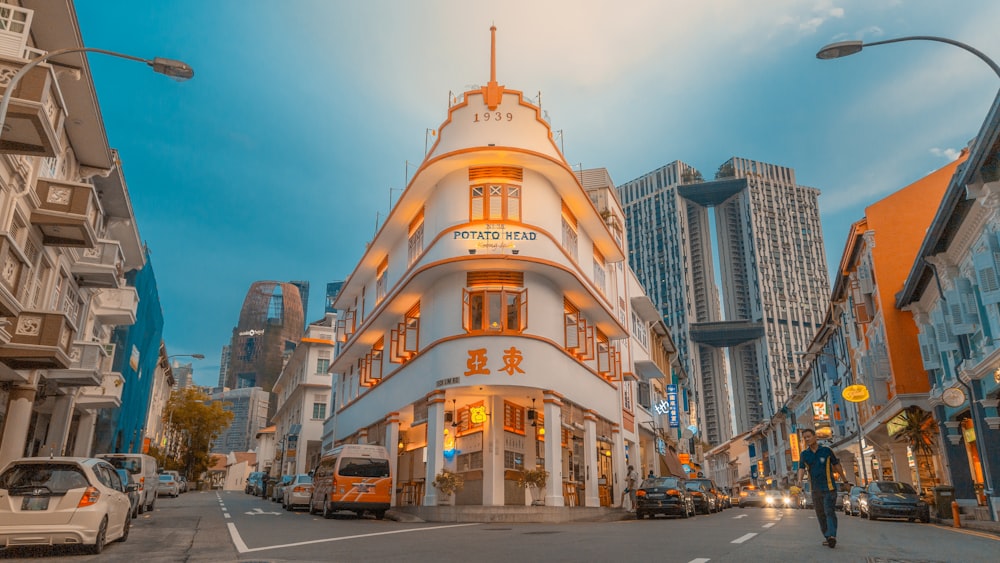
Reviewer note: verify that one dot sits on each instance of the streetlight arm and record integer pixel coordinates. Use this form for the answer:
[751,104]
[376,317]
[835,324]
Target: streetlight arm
[169,67]
[845,48]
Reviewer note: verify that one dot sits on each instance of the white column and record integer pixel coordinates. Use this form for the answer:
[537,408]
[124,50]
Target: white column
[435,445]
[591,497]
[900,463]
[85,434]
[620,470]
[62,417]
[553,448]
[18,419]
[391,446]
[493,449]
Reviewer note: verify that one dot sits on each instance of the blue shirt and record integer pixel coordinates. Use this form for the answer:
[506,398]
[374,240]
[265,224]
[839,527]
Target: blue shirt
[820,465]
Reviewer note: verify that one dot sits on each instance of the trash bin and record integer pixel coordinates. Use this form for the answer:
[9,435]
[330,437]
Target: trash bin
[943,495]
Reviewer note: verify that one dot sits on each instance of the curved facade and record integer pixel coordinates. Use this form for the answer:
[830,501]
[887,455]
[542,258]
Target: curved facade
[271,322]
[485,328]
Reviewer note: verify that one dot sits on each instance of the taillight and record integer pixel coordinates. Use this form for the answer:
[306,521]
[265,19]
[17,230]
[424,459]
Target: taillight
[640,493]
[142,483]
[299,489]
[90,496]
[695,494]
[673,492]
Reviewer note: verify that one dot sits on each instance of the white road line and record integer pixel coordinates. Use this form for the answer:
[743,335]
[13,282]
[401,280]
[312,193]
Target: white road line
[227,515]
[700,560]
[743,538]
[740,516]
[224,509]
[242,547]
[768,525]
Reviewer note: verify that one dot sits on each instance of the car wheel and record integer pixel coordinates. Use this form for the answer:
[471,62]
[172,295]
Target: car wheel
[379,514]
[152,506]
[311,509]
[102,533]
[925,519]
[327,513]
[125,530]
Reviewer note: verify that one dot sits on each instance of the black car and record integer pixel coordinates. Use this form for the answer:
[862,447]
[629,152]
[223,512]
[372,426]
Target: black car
[891,499]
[701,492]
[663,495]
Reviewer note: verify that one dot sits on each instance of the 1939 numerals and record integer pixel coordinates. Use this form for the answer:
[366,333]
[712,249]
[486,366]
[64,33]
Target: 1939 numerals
[492,116]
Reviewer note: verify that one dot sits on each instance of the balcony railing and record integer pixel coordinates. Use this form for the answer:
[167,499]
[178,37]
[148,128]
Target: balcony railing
[11,269]
[86,365]
[100,266]
[36,111]
[39,340]
[115,306]
[67,213]
[107,395]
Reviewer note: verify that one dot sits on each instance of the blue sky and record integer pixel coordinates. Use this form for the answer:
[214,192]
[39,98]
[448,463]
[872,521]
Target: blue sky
[277,160]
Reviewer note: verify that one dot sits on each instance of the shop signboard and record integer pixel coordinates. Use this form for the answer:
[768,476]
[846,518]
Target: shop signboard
[673,417]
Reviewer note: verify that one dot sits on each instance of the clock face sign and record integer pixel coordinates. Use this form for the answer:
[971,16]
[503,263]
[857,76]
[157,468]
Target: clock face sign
[953,397]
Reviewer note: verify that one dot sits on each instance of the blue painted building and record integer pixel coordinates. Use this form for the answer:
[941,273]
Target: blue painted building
[136,354]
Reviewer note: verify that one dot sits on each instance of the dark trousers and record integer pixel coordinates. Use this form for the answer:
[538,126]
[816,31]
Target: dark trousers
[825,503]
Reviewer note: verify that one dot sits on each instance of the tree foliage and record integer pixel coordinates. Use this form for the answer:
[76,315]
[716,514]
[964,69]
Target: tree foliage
[195,423]
[919,432]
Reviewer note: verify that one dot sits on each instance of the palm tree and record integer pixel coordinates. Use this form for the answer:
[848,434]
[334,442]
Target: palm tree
[918,430]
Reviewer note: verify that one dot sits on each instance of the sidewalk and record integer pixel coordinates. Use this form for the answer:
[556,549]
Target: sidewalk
[987,526]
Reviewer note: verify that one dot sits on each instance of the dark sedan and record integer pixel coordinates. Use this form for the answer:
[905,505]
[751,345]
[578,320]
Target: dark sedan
[891,499]
[701,493]
[851,507]
[663,495]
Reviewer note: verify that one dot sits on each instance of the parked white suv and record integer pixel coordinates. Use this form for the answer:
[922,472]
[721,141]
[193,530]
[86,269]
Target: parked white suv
[142,472]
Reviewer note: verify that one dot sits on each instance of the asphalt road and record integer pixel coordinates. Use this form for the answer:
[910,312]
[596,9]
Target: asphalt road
[232,526]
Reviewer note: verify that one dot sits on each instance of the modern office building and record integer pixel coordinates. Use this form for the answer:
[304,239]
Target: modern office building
[224,358]
[768,254]
[271,323]
[249,406]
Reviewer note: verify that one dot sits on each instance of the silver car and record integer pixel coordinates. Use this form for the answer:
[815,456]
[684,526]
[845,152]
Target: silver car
[297,492]
[168,486]
[63,501]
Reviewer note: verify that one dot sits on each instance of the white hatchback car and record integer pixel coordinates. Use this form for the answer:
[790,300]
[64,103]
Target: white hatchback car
[63,501]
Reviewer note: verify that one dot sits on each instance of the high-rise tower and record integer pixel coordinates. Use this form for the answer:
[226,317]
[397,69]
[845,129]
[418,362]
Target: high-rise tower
[270,322]
[772,269]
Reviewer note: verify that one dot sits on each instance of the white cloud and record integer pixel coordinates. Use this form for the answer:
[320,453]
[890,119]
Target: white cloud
[950,154]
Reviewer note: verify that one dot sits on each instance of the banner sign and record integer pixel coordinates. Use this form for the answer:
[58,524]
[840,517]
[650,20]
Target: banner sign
[673,417]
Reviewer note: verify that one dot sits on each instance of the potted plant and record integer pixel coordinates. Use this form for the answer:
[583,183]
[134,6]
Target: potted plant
[534,480]
[448,483]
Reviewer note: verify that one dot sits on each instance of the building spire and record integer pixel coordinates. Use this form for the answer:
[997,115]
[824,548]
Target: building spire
[492,92]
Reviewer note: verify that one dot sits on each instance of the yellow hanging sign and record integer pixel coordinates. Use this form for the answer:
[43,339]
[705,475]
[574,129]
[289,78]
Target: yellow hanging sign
[855,393]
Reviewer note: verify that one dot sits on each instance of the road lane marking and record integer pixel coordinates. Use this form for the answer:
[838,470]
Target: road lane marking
[768,525]
[744,538]
[227,515]
[700,560]
[242,547]
[740,516]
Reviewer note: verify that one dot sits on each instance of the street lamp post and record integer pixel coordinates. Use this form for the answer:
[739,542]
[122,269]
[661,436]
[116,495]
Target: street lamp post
[845,48]
[169,67]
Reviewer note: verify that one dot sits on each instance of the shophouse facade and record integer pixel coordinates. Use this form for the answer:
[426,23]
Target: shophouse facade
[883,345]
[69,237]
[954,297]
[302,394]
[486,326]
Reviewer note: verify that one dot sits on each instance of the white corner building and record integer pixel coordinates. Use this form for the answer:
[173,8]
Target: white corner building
[485,329]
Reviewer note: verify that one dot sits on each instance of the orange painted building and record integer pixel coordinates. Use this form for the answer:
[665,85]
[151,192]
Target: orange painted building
[885,351]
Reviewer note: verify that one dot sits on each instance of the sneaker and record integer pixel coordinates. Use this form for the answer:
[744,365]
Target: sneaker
[831,541]
[826,542]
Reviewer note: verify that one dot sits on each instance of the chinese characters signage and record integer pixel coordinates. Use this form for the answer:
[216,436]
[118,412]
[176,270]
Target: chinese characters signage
[477,361]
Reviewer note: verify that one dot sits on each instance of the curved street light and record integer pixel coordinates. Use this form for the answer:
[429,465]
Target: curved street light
[169,67]
[846,48]
[195,356]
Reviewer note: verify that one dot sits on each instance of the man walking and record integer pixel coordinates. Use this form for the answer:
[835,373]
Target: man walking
[631,482]
[822,464]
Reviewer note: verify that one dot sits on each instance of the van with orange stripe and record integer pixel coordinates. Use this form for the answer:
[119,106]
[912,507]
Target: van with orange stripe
[354,477]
